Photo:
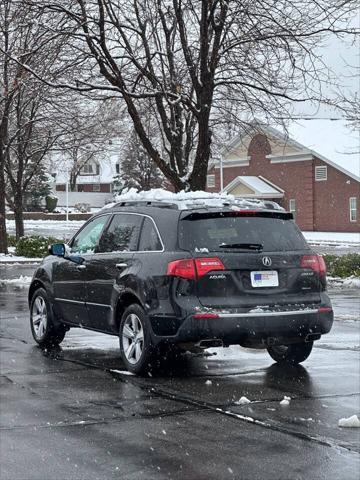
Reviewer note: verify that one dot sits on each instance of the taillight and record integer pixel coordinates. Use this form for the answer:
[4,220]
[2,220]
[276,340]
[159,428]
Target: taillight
[206,265]
[190,269]
[182,268]
[315,263]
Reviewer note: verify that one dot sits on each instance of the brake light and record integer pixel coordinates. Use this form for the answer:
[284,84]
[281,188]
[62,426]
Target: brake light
[245,211]
[315,263]
[190,269]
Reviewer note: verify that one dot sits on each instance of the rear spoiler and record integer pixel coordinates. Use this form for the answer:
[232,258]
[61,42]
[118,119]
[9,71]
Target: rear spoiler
[282,215]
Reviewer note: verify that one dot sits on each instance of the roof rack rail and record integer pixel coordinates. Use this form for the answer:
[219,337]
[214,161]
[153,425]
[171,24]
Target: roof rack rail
[149,203]
[188,202]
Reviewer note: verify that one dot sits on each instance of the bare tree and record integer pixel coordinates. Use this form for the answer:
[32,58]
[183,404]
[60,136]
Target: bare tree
[28,127]
[8,89]
[87,130]
[186,58]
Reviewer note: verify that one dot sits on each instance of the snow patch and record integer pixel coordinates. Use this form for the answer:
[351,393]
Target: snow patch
[22,280]
[333,238]
[348,282]
[351,422]
[122,372]
[243,401]
[13,259]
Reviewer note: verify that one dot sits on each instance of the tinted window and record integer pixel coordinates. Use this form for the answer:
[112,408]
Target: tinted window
[273,234]
[122,234]
[149,237]
[88,237]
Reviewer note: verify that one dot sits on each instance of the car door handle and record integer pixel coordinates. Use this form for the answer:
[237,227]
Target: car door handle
[80,267]
[121,265]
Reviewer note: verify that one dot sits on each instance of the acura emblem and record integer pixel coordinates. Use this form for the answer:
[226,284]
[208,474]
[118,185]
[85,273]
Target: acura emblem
[266,261]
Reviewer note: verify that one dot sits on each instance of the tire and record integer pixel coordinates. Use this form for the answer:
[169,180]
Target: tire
[290,354]
[45,332]
[137,350]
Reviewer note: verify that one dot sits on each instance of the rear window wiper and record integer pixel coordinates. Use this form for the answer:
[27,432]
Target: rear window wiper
[245,246]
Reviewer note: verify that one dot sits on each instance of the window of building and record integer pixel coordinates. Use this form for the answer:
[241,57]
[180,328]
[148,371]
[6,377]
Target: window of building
[292,206]
[210,181]
[96,187]
[353,209]
[90,169]
[320,174]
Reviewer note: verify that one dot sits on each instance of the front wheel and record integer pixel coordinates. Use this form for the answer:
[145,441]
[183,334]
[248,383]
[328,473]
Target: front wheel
[290,354]
[45,332]
[136,348]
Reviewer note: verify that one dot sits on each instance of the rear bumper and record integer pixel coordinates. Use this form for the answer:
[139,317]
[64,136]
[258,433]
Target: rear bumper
[253,328]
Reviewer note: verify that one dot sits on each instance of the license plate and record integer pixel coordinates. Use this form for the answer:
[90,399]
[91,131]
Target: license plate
[268,278]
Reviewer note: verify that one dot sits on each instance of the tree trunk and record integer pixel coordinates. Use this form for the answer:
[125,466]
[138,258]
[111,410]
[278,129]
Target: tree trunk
[3,236]
[72,181]
[19,215]
[197,179]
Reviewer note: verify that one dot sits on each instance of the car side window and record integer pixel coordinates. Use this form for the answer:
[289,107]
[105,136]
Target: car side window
[122,234]
[149,240]
[88,237]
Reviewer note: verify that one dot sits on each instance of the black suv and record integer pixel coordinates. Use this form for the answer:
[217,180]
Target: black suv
[175,276]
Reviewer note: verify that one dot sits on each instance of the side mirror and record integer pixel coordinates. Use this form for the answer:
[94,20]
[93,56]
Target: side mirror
[57,249]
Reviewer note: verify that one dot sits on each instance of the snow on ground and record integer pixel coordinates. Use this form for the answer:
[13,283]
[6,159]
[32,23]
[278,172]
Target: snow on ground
[243,401]
[348,282]
[351,422]
[333,238]
[23,280]
[285,401]
[18,260]
[54,228]
[43,224]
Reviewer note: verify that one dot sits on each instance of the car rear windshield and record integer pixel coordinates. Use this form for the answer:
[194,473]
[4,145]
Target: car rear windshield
[239,233]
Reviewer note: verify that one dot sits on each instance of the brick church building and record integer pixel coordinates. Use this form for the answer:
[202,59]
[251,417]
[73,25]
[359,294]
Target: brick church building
[267,164]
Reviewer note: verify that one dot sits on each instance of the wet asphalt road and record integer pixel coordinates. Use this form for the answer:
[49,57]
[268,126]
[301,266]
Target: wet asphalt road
[74,414]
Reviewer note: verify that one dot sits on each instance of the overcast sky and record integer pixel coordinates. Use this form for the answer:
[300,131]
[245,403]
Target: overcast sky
[333,139]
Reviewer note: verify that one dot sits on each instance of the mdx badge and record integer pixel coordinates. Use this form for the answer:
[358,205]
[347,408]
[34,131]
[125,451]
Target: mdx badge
[266,261]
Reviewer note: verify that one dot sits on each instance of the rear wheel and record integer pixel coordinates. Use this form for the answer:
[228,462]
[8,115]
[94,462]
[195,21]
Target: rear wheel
[44,330]
[136,348]
[290,354]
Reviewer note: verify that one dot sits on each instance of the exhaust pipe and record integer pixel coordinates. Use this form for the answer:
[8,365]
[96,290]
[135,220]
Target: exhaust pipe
[310,337]
[210,343]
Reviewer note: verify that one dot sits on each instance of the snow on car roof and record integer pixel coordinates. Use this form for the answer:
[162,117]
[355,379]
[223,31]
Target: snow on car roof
[185,200]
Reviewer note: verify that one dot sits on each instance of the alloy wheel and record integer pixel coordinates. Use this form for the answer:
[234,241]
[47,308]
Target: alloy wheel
[39,317]
[133,338]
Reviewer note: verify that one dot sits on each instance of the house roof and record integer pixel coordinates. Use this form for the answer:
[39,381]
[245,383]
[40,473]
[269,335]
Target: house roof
[258,127]
[261,187]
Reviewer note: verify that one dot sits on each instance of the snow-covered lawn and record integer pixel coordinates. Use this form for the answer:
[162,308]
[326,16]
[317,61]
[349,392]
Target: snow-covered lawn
[48,228]
[18,260]
[348,282]
[333,238]
[41,224]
